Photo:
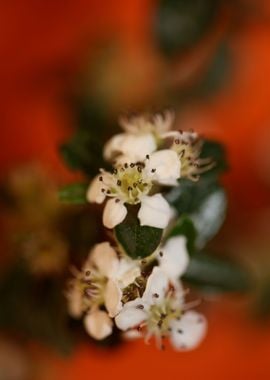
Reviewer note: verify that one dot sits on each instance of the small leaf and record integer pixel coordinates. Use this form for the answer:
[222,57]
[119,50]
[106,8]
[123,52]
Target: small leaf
[184,226]
[136,240]
[216,274]
[209,217]
[74,193]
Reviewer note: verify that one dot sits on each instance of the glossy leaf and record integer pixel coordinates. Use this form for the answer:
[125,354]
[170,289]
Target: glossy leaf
[137,241]
[216,274]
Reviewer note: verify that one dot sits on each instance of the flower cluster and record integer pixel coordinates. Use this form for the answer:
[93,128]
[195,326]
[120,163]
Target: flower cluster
[141,297]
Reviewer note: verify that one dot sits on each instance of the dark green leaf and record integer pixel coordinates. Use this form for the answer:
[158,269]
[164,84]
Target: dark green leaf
[217,152]
[74,193]
[137,241]
[184,226]
[181,23]
[209,217]
[216,274]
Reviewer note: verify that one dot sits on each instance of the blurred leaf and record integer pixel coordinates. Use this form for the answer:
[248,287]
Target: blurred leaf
[209,217]
[136,240]
[180,23]
[84,151]
[217,152]
[74,193]
[184,226]
[216,274]
[34,308]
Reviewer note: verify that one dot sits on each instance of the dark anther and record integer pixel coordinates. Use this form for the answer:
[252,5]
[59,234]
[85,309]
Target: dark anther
[119,182]
[132,165]
[141,307]
[117,200]
[126,165]
[156,295]
[129,188]
[147,156]
[100,178]
[153,170]
[161,254]
[180,331]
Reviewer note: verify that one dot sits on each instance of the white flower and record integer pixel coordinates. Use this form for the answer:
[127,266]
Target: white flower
[129,148]
[164,166]
[173,257]
[142,136]
[160,313]
[100,282]
[188,147]
[129,184]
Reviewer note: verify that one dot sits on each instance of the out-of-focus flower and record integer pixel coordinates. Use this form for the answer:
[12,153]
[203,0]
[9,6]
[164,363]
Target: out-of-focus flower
[161,313]
[129,184]
[100,282]
[142,135]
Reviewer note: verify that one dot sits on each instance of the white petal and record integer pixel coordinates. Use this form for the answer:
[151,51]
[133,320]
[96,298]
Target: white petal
[134,147]
[131,315]
[156,287]
[94,193]
[189,331]
[104,257]
[114,213]
[113,296]
[155,211]
[175,258]
[166,166]
[127,271]
[98,324]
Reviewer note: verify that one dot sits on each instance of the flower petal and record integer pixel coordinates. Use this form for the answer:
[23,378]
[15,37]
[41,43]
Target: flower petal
[113,296]
[189,331]
[134,147]
[175,258]
[132,314]
[156,287]
[127,271]
[98,324]
[114,213]
[155,211]
[166,166]
[94,193]
[104,257]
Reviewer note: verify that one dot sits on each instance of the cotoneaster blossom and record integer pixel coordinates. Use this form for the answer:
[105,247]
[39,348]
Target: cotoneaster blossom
[142,135]
[100,282]
[131,184]
[161,313]
[188,147]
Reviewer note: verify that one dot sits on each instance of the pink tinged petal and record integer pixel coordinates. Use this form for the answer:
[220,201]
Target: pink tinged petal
[155,211]
[94,193]
[188,333]
[98,324]
[175,258]
[164,166]
[104,257]
[113,296]
[132,314]
[114,213]
[156,287]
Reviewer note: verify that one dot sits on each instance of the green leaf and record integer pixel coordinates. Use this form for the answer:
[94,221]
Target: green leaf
[217,152]
[137,241]
[216,274]
[74,193]
[181,23]
[184,226]
[209,217]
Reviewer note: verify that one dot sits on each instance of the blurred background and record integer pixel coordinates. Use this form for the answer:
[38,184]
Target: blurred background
[67,70]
